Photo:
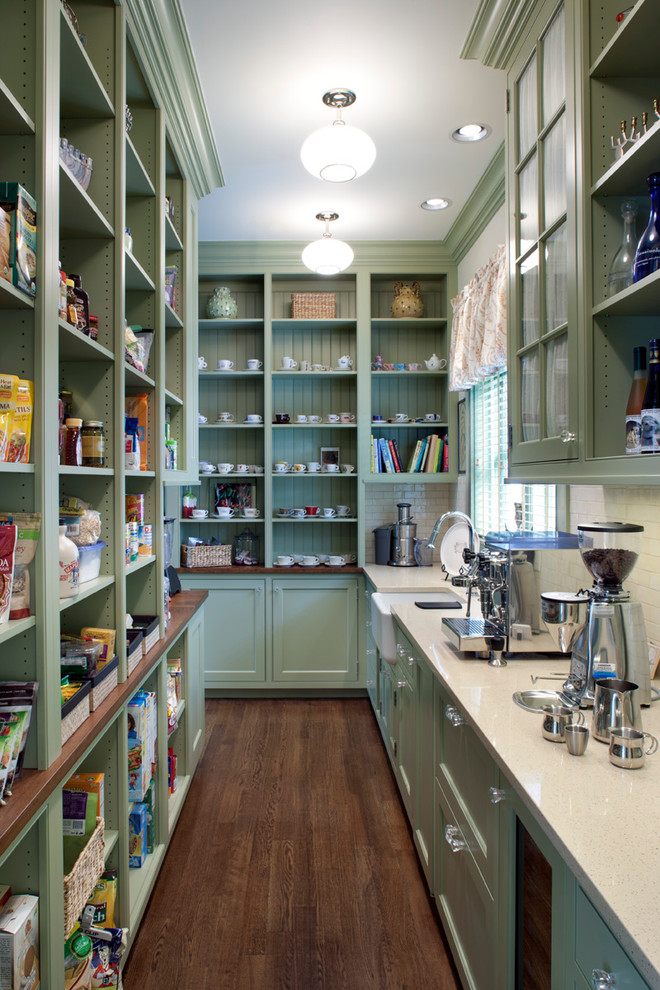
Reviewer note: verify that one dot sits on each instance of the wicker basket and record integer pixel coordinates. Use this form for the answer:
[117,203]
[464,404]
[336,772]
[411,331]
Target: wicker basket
[313,305]
[103,682]
[79,884]
[215,556]
[75,711]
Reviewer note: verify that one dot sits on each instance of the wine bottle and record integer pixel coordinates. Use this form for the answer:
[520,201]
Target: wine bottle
[635,399]
[621,270]
[651,402]
[647,255]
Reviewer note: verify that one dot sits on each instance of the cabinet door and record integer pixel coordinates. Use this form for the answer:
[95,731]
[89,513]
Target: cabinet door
[194,688]
[385,699]
[423,805]
[235,634]
[315,631]
[406,749]
[543,350]
[596,951]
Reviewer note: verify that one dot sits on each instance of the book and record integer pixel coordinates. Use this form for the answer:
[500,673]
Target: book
[437,454]
[372,455]
[431,456]
[414,456]
[420,457]
[445,455]
[394,455]
[387,457]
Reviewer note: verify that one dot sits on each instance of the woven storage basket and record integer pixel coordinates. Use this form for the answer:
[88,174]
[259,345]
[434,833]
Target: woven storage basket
[216,556]
[79,884]
[313,305]
[75,711]
[103,682]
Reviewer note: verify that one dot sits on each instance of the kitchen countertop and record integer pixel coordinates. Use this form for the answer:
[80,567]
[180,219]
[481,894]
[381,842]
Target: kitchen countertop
[602,820]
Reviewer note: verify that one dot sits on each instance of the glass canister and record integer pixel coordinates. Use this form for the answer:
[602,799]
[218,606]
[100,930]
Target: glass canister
[609,551]
[93,442]
[246,548]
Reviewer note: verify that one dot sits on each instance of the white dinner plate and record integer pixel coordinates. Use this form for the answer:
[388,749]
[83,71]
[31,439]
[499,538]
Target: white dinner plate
[453,543]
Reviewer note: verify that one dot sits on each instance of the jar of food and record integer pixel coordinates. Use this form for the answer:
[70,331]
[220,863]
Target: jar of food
[69,566]
[73,443]
[93,327]
[67,401]
[93,442]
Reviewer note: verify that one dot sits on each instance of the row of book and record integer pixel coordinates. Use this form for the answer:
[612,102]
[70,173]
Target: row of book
[429,456]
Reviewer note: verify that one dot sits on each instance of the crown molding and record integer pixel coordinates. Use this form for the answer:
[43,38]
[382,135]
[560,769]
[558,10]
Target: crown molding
[483,203]
[160,35]
[496,31]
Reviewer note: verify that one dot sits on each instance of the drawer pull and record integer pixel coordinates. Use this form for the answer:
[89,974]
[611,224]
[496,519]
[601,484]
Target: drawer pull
[453,715]
[456,844]
[400,650]
[370,653]
[567,437]
[600,980]
[369,624]
[496,795]
[402,684]
[411,661]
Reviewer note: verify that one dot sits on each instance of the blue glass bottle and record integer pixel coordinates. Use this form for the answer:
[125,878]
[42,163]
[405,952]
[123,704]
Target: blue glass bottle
[647,256]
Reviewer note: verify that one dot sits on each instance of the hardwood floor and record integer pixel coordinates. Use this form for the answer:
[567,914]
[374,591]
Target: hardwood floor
[292,866]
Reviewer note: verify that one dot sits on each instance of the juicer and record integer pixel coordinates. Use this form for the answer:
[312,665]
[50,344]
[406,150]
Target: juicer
[404,533]
[602,628]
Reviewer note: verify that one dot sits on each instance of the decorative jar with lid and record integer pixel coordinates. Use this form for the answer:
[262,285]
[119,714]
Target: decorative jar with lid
[407,301]
[246,548]
[221,305]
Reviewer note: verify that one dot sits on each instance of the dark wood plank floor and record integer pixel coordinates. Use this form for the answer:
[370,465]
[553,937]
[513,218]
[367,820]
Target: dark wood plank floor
[292,866]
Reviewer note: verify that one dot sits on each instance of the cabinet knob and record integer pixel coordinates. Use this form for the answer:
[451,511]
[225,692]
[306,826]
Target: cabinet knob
[496,795]
[259,591]
[370,653]
[600,980]
[411,661]
[567,437]
[367,593]
[276,590]
[402,684]
[368,625]
[400,651]
[453,840]
[453,715]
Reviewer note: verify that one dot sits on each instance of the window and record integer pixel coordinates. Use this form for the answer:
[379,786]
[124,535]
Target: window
[495,505]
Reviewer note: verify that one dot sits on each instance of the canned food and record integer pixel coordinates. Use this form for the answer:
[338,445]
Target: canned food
[145,540]
[135,509]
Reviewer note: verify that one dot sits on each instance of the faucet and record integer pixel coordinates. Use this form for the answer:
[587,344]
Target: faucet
[469,578]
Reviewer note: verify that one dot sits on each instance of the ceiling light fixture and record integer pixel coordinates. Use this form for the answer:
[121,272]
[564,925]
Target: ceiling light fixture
[437,203]
[338,152]
[327,256]
[471,132]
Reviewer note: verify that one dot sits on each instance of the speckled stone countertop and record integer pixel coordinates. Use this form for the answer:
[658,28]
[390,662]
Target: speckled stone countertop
[602,820]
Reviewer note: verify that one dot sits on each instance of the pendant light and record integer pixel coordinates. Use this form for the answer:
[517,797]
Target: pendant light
[327,256]
[338,152]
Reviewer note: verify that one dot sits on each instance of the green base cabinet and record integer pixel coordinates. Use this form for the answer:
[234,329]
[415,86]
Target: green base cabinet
[235,632]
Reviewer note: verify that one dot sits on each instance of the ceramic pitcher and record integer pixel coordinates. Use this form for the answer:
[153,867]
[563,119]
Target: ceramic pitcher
[221,305]
[407,301]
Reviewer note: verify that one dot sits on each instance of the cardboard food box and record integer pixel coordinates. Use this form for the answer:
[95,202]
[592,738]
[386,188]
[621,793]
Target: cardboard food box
[93,784]
[139,766]
[137,836]
[21,209]
[19,942]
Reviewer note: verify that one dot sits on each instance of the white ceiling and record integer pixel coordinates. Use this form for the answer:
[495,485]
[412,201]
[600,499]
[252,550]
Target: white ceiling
[264,67]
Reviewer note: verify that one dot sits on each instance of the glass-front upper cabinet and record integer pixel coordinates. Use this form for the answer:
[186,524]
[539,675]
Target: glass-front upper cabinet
[542,244]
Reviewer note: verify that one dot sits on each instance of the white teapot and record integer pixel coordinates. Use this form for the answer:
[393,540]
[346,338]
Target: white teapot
[435,363]
[345,362]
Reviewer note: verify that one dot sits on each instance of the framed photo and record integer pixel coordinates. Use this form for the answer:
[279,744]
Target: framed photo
[461,410]
[330,456]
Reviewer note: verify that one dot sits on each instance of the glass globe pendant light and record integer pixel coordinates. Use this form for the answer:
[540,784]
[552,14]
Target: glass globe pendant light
[327,256]
[338,152]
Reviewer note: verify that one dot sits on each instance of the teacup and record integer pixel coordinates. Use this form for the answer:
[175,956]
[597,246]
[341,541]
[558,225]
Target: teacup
[206,470]
[344,362]
[225,417]
[201,363]
[299,468]
[257,469]
[281,467]
[332,468]
[288,362]
[299,513]
[254,418]
[284,559]
[200,513]
[305,365]
[401,417]
[312,510]
[310,560]
[627,747]
[313,419]
[205,466]
[347,469]
[282,418]
[346,417]
[251,513]
[318,367]
[254,364]
[285,511]
[343,510]
[333,418]
[313,467]
[225,365]
[414,366]
[242,468]
[202,419]
[399,367]
[225,467]
[336,560]
[224,511]
[376,419]
[298,558]
[329,512]
[350,558]
[431,417]
[301,418]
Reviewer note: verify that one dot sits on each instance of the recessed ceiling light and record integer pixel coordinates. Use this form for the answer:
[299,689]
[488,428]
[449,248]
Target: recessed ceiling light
[437,203]
[471,132]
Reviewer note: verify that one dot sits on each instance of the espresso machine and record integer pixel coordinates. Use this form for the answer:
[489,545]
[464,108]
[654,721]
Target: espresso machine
[602,628]
[404,533]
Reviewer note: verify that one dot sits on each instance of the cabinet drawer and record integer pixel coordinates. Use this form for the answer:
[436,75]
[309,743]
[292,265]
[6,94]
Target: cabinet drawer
[596,948]
[467,774]
[464,901]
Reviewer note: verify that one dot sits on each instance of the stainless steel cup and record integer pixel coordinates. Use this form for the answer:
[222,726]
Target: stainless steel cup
[576,737]
[555,720]
[616,705]
[627,747]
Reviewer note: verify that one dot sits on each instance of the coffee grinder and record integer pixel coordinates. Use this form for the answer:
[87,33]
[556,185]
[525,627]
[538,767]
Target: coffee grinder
[602,627]
[404,533]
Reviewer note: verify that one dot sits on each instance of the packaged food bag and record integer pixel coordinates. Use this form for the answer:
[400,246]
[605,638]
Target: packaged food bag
[8,394]
[29,526]
[8,535]
[137,407]
[22,211]
[18,443]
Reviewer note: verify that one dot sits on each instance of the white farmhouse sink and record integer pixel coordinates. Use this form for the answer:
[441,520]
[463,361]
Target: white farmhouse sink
[382,623]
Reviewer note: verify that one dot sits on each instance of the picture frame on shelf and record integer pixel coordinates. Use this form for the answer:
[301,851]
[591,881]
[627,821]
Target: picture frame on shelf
[329,455]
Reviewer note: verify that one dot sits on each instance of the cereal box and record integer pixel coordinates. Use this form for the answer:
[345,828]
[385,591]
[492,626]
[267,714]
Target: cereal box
[93,784]
[19,942]
[139,766]
[22,211]
[137,836]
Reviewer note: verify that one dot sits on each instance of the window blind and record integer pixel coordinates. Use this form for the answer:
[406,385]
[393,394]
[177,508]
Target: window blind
[495,505]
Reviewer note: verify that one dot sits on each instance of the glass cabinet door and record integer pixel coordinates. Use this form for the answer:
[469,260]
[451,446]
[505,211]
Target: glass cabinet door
[542,248]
